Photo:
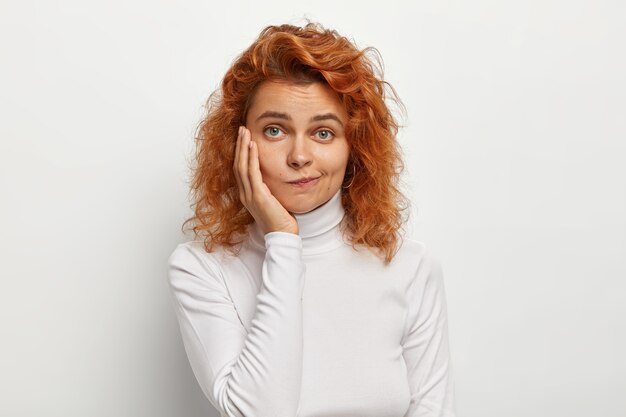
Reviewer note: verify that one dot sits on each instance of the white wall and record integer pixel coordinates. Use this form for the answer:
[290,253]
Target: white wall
[515,147]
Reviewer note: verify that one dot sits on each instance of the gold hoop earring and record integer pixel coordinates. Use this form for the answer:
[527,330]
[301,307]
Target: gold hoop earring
[351,180]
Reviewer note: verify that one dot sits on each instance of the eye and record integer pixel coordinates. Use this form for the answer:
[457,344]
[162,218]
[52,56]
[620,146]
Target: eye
[272,131]
[324,134]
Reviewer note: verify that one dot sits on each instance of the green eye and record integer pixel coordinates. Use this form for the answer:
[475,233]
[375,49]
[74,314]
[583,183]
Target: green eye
[272,131]
[324,134]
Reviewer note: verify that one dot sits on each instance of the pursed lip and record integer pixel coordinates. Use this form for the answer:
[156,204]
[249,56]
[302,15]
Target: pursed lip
[304,179]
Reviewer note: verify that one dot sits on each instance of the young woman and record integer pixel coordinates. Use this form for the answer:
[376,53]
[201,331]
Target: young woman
[302,298]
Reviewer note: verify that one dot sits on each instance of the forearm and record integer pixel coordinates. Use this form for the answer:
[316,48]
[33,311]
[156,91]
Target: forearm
[266,378]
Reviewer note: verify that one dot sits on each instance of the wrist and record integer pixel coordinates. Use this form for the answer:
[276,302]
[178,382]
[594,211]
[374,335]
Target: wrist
[292,231]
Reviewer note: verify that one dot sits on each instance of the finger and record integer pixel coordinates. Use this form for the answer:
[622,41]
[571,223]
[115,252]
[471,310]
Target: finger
[236,156]
[236,162]
[254,171]
[243,163]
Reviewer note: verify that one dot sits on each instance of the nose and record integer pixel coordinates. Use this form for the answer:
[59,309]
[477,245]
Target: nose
[299,154]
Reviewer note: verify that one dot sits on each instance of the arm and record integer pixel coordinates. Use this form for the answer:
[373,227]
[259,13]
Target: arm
[426,349]
[244,374]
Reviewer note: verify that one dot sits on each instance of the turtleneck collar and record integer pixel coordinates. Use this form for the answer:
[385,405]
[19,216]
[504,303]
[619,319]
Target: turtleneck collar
[319,228]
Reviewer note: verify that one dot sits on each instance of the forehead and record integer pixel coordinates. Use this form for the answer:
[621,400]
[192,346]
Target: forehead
[296,99]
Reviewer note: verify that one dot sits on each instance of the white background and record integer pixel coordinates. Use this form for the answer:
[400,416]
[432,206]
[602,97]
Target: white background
[515,144]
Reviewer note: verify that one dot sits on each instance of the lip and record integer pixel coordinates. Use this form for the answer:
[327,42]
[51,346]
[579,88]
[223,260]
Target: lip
[304,184]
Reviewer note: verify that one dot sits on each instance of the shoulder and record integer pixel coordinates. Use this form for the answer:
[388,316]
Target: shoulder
[425,264]
[190,262]
[412,246]
[192,251]
[417,252]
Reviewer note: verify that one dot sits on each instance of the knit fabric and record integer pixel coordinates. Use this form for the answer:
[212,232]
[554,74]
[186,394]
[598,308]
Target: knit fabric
[305,325]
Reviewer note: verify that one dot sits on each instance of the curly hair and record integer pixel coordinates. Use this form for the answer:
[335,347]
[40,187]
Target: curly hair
[373,203]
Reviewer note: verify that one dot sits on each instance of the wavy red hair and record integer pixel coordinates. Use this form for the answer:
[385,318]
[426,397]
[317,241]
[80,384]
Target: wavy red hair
[373,202]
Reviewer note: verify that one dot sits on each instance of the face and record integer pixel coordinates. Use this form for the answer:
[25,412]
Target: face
[299,130]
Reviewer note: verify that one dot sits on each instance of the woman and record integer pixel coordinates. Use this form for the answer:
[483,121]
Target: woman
[302,299]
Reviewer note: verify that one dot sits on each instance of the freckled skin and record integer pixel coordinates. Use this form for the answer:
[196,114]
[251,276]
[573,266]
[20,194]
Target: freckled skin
[296,148]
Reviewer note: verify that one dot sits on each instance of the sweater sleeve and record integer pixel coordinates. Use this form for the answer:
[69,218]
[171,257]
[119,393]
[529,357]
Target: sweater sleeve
[253,373]
[425,347]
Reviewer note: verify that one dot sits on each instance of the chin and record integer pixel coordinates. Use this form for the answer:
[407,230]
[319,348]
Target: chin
[298,209]
[297,203]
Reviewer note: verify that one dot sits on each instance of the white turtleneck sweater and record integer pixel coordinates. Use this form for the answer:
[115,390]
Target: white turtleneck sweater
[304,325]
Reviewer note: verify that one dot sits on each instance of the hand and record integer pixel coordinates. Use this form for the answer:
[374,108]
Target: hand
[267,211]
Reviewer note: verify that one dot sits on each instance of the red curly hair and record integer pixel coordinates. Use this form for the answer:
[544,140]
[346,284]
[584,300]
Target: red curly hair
[373,203]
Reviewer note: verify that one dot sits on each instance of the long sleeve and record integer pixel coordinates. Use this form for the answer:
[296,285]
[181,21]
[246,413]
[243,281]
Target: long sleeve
[255,373]
[426,349]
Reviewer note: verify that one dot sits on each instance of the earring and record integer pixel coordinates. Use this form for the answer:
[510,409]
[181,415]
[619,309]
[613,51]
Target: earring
[353,175]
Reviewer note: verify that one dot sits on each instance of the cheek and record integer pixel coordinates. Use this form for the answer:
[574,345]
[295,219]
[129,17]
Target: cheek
[269,163]
[335,161]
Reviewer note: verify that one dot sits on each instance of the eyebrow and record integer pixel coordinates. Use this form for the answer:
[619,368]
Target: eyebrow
[285,116]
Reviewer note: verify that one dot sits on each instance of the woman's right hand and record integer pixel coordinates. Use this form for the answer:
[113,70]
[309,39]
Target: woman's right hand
[267,211]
